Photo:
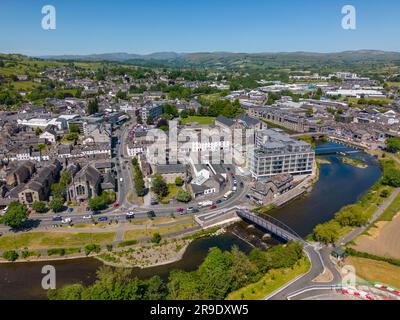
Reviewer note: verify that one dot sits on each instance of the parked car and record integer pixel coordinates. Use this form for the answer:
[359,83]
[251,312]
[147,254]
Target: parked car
[57,218]
[218,201]
[151,214]
[70,210]
[242,185]
[116,204]
[180,210]
[154,202]
[66,220]
[192,209]
[87,217]
[102,219]
[214,206]
[130,215]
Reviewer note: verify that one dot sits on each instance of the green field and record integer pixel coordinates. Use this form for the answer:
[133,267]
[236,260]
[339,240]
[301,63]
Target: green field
[199,120]
[23,85]
[43,240]
[148,232]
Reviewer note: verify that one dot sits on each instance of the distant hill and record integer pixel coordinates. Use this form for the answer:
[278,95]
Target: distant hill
[234,61]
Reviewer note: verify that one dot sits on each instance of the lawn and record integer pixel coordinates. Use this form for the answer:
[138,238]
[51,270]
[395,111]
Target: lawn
[393,84]
[173,190]
[199,120]
[142,233]
[23,85]
[391,211]
[271,282]
[376,271]
[42,240]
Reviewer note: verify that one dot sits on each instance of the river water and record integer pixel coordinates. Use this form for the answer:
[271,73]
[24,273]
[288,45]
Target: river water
[338,185]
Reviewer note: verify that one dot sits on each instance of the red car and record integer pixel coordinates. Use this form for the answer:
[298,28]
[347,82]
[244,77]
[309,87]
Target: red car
[214,206]
[181,210]
[116,205]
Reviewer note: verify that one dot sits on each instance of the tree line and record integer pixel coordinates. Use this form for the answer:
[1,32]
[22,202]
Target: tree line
[220,274]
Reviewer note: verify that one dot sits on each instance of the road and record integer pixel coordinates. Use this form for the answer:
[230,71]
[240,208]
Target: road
[322,260]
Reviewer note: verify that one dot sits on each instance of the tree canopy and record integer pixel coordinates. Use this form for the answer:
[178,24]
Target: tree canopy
[16,215]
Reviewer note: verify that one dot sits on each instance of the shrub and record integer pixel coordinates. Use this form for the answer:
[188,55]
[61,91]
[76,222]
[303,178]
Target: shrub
[56,252]
[92,248]
[156,238]
[39,206]
[11,255]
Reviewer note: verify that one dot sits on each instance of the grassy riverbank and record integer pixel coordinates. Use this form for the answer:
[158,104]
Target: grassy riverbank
[45,240]
[271,282]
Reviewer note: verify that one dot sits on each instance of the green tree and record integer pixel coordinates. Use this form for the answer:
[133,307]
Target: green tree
[93,106]
[16,215]
[121,95]
[159,186]
[57,204]
[74,128]
[156,238]
[150,120]
[215,275]
[183,196]
[184,286]
[393,145]
[70,292]
[179,181]
[38,131]
[97,203]
[39,206]
[327,232]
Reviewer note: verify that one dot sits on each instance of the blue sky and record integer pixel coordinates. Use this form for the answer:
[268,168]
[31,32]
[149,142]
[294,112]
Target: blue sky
[89,26]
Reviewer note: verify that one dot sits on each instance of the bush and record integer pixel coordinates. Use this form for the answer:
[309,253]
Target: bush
[26,254]
[39,206]
[385,193]
[56,252]
[11,255]
[156,238]
[183,196]
[57,204]
[92,248]
[109,247]
[179,181]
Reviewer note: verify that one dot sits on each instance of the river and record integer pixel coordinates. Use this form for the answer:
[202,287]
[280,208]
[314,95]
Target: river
[338,185]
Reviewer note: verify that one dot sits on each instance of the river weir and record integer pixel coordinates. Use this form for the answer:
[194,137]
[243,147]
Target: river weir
[339,184]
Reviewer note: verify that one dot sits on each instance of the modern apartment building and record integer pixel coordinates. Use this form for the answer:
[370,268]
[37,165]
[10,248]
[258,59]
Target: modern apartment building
[276,153]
